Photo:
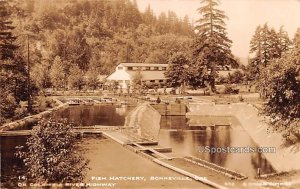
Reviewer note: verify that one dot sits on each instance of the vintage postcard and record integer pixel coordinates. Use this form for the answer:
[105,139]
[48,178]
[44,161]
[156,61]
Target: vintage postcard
[160,94]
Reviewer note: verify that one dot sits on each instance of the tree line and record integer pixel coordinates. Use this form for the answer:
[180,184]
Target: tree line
[275,70]
[67,44]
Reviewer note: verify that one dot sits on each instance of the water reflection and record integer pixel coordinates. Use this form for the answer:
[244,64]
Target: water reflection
[186,142]
[173,122]
[95,115]
[11,167]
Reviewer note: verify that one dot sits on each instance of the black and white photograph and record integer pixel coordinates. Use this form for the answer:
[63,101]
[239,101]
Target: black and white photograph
[150,94]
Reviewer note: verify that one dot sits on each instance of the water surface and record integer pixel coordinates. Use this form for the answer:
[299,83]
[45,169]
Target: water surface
[108,115]
[12,167]
[176,133]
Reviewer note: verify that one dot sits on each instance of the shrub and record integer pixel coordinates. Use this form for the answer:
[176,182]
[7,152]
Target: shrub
[43,103]
[221,80]
[236,77]
[20,112]
[8,106]
[279,83]
[52,156]
[230,90]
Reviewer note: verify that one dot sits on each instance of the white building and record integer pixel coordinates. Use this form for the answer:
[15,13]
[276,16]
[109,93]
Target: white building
[151,73]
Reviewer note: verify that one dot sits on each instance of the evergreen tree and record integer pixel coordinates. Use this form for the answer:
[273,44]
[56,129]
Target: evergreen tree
[284,41]
[256,43]
[280,82]
[13,73]
[186,27]
[266,45]
[148,16]
[211,47]
[7,39]
[161,24]
[296,42]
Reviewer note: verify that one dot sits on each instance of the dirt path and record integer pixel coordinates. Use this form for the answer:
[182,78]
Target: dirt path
[109,159]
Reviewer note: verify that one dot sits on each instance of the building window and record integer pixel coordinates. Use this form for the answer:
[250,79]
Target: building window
[164,68]
[161,81]
[147,68]
[129,68]
[152,81]
[120,68]
[155,68]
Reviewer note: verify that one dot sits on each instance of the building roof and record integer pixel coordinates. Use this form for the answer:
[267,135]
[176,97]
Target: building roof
[143,64]
[119,76]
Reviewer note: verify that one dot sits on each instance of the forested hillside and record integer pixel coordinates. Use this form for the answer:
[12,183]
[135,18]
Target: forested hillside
[69,43]
[97,35]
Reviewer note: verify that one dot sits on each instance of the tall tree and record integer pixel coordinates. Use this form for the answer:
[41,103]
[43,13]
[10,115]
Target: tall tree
[148,16]
[296,42]
[266,45]
[211,46]
[57,73]
[40,75]
[186,27]
[13,72]
[137,81]
[7,46]
[256,43]
[177,72]
[280,81]
[161,24]
[76,77]
[284,41]
[94,70]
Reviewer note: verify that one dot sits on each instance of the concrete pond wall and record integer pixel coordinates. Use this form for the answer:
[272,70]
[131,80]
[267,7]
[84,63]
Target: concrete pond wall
[286,158]
[146,120]
[173,109]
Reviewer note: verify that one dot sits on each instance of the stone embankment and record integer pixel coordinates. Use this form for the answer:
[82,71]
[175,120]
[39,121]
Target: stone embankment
[30,120]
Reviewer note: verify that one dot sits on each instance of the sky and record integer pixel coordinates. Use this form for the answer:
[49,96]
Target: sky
[243,16]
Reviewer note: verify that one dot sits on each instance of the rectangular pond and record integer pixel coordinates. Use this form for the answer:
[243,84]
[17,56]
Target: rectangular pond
[108,115]
[185,140]
[84,115]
